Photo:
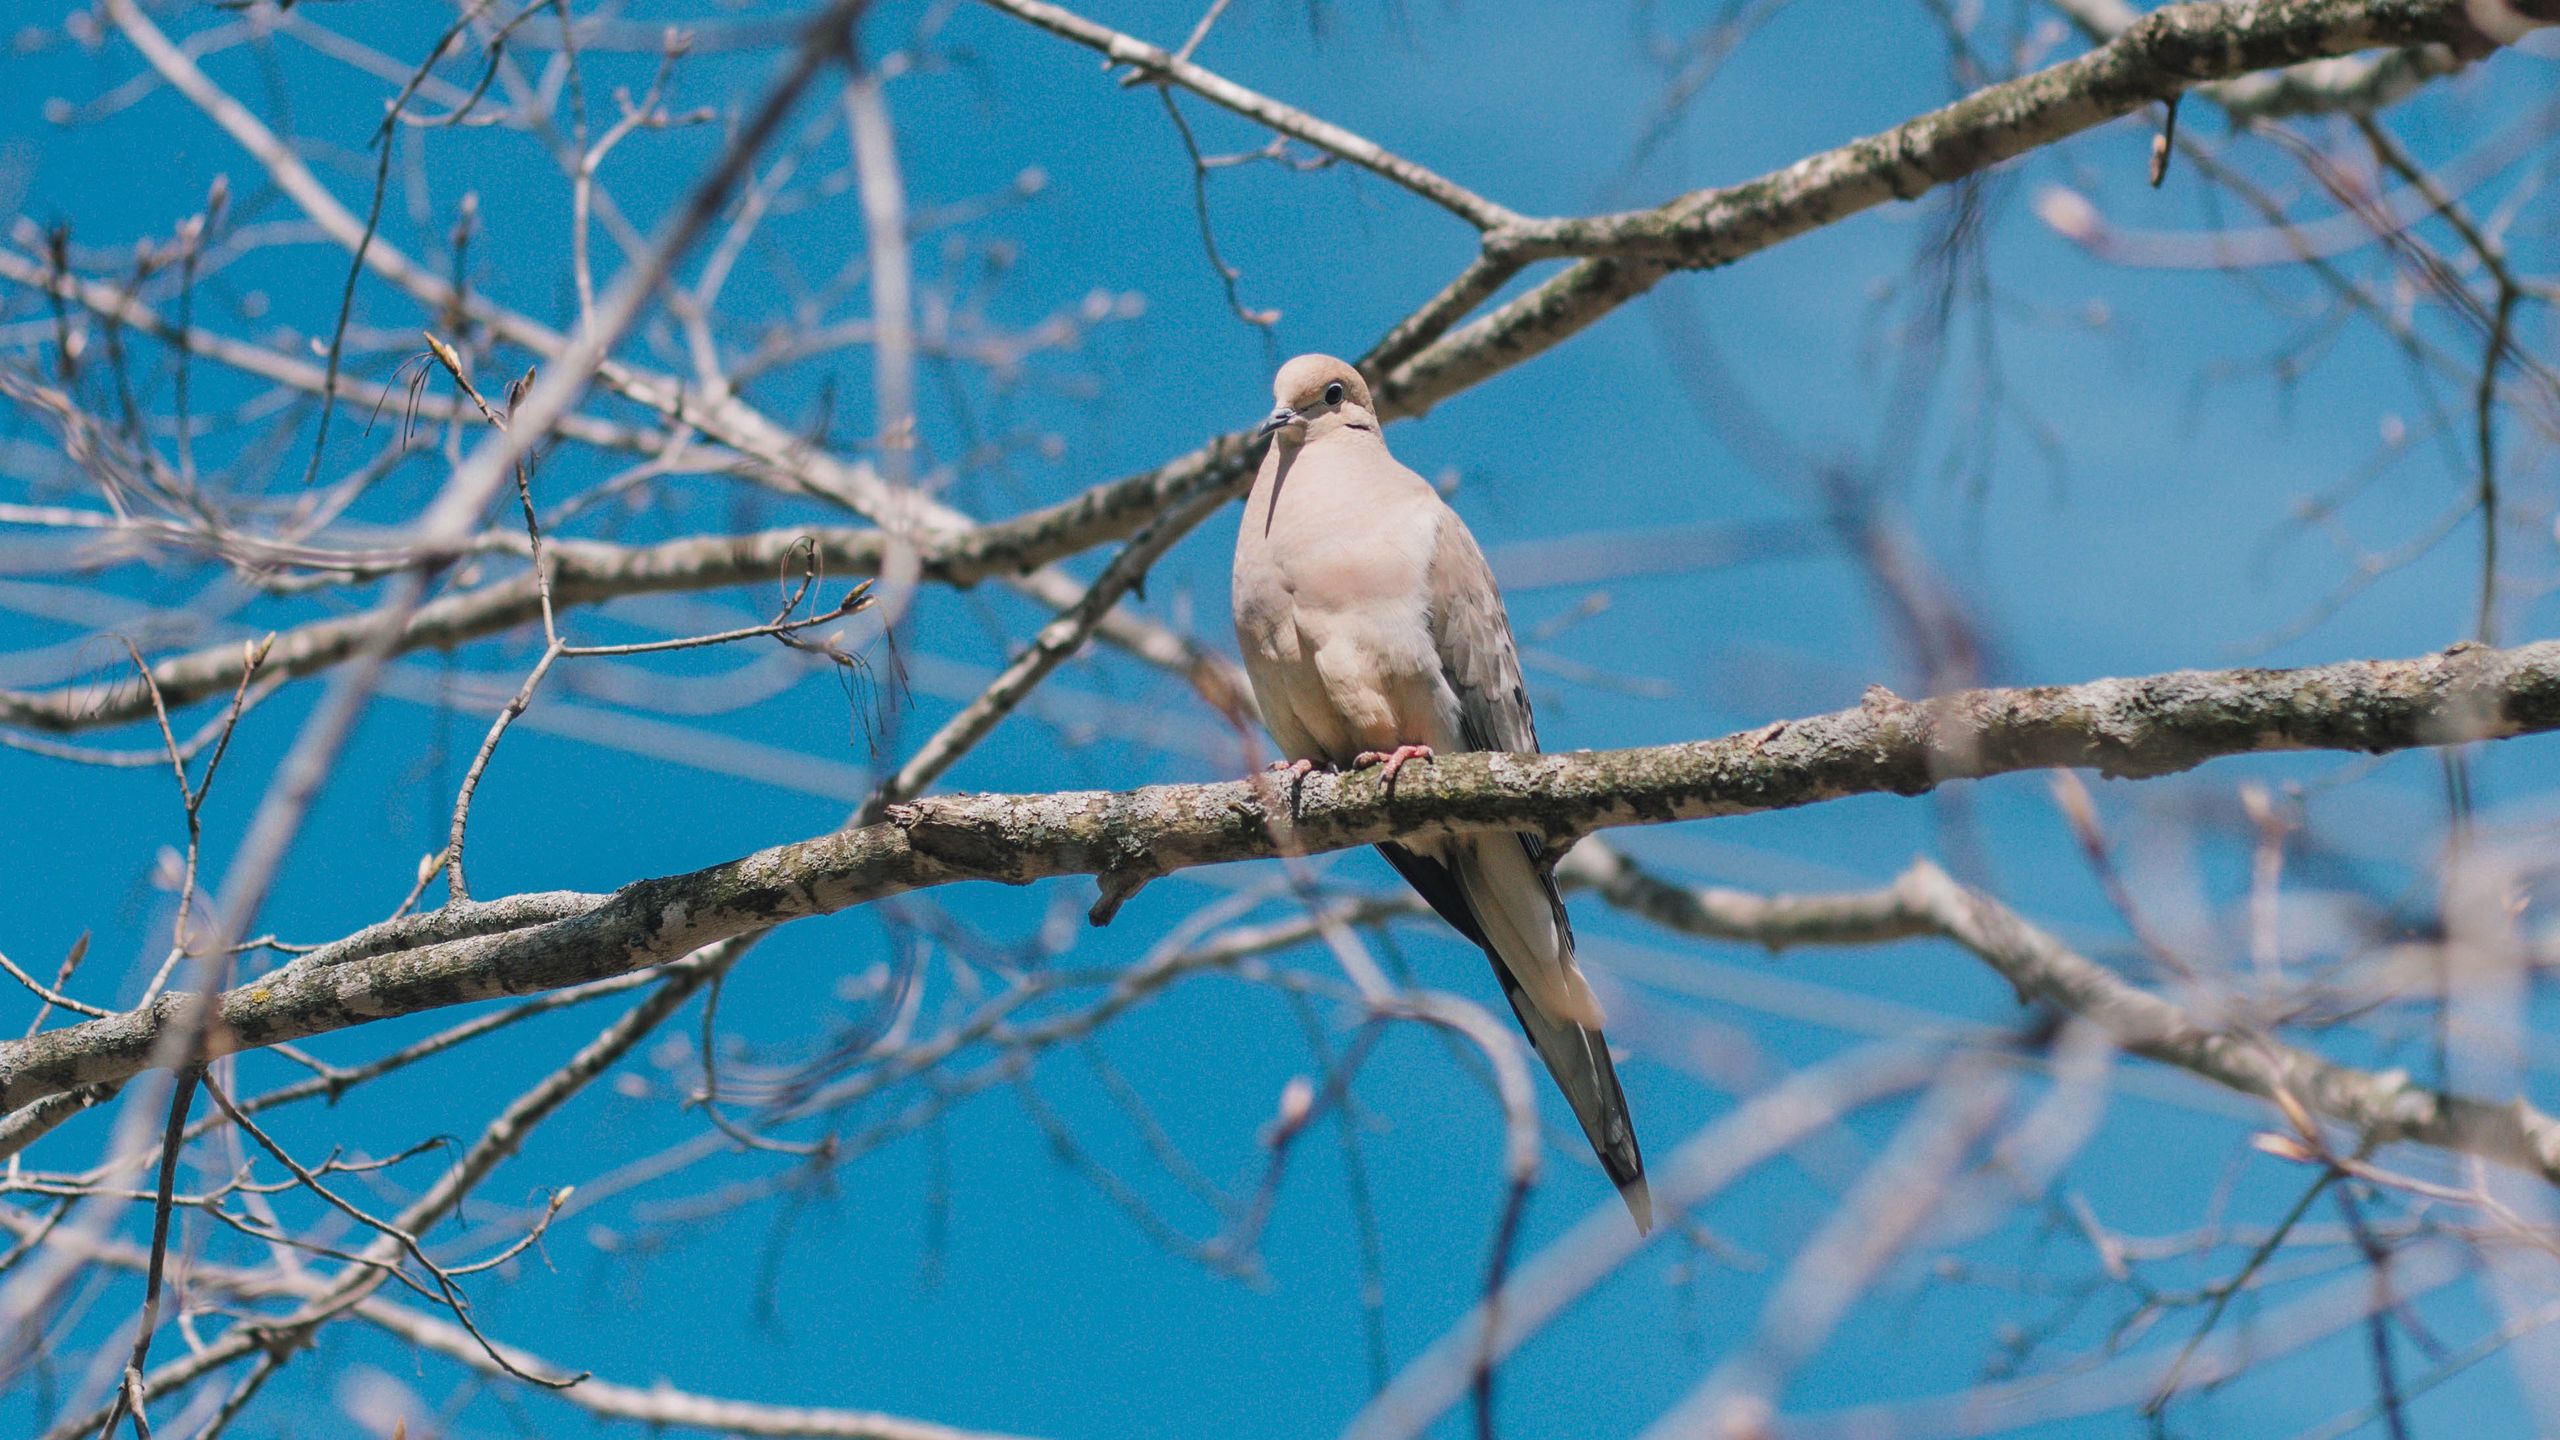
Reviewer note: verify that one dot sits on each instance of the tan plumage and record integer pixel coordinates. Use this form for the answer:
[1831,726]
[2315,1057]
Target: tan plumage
[1371,624]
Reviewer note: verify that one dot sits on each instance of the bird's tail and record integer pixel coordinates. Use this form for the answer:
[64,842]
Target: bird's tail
[1576,1055]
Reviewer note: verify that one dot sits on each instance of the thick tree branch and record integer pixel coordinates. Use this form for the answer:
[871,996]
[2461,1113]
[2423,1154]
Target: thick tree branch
[2165,53]
[589,572]
[2357,84]
[2157,58]
[2380,1107]
[2149,726]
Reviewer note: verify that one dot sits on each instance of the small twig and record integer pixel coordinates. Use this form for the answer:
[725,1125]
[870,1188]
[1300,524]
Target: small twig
[52,995]
[2225,1290]
[131,1394]
[1200,31]
[1506,1235]
[398,1235]
[1163,69]
[1227,274]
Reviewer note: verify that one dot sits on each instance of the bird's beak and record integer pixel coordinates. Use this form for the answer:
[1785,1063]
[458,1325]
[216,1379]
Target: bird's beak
[1284,416]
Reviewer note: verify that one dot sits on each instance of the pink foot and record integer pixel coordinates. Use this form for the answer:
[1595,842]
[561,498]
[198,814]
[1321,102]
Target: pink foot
[1394,759]
[1292,768]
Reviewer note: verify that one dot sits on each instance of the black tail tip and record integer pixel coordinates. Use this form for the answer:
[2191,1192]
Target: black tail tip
[1639,1198]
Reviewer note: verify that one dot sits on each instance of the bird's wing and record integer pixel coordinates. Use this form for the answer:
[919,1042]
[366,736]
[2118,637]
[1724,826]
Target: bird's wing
[1472,635]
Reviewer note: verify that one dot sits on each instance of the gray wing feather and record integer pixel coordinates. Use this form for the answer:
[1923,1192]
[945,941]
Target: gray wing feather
[1477,656]
[1481,665]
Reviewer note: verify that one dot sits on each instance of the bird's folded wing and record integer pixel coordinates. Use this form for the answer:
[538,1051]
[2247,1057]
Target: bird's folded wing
[1473,637]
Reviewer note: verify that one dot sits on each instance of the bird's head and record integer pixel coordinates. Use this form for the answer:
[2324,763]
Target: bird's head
[1316,395]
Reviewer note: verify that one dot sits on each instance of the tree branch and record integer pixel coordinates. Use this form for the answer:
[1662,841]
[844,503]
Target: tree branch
[2380,1107]
[1154,63]
[2357,84]
[2161,56]
[2150,726]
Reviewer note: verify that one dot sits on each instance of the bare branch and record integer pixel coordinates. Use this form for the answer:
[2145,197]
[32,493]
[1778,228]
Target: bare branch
[2171,49]
[1154,63]
[2152,726]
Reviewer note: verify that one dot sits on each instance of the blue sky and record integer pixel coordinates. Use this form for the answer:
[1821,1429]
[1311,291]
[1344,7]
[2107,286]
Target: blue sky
[1030,1303]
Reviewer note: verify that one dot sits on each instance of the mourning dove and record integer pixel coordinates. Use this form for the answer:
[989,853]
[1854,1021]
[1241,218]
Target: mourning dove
[1373,634]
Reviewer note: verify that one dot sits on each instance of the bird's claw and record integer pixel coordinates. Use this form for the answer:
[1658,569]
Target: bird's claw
[1293,768]
[1393,759]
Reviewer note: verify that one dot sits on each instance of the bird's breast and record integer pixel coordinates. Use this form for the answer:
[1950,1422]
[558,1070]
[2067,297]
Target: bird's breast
[1335,634]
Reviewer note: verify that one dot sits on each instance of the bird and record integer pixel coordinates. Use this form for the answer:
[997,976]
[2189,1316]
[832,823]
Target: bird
[1373,634]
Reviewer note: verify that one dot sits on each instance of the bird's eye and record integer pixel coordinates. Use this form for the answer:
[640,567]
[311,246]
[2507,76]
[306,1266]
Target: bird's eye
[1333,393]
